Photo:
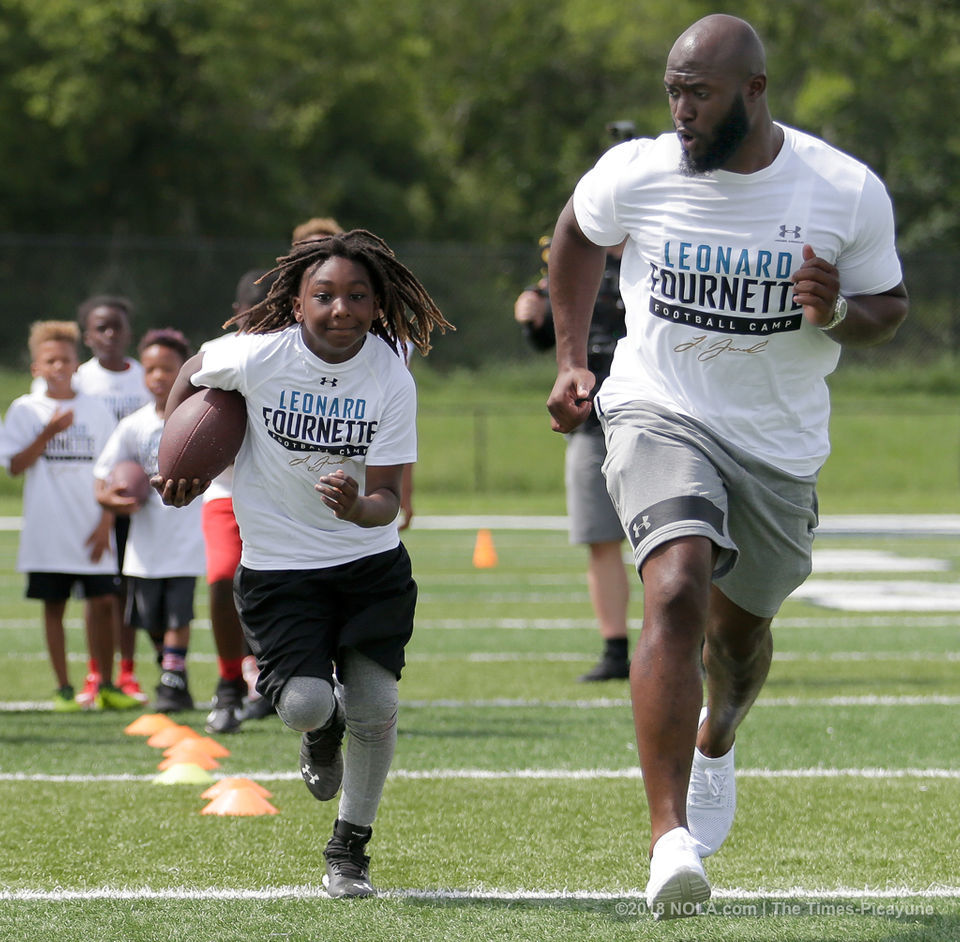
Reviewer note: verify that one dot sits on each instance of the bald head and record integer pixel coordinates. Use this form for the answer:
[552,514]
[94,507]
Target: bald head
[719,44]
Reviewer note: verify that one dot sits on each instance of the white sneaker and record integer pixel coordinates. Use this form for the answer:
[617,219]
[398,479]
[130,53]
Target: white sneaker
[711,798]
[678,883]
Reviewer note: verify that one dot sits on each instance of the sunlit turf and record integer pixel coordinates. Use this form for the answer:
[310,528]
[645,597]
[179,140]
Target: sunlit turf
[510,779]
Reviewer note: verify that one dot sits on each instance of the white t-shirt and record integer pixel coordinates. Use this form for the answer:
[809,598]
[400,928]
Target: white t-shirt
[60,511]
[124,392]
[712,329]
[164,541]
[307,418]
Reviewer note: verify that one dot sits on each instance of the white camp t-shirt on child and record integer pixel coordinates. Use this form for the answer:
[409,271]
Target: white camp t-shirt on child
[60,511]
[124,392]
[306,418]
[164,541]
[712,330]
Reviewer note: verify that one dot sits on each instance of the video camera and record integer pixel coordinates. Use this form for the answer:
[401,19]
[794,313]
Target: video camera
[621,131]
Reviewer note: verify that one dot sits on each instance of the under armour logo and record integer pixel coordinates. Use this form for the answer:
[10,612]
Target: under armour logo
[638,528]
[309,776]
[793,232]
[329,380]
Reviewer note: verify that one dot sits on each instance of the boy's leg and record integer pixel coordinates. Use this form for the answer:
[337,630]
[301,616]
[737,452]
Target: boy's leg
[98,614]
[53,611]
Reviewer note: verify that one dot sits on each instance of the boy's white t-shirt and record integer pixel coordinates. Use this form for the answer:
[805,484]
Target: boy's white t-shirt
[712,330]
[163,541]
[307,418]
[123,392]
[60,511]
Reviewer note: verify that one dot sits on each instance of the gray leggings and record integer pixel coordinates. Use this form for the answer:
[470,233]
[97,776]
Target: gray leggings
[370,700]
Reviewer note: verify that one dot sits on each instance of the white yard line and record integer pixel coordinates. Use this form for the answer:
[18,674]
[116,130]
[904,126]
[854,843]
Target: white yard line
[599,703]
[498,775]
[313,891]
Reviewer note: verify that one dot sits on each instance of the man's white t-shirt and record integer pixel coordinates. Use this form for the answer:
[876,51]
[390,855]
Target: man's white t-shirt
[164,542]
[307,418]
[60,511]
[712,329]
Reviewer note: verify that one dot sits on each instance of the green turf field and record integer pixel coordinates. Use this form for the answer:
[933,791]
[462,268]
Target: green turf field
[514,809]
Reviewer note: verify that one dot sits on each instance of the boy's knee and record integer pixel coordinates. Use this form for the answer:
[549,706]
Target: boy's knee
[306,703]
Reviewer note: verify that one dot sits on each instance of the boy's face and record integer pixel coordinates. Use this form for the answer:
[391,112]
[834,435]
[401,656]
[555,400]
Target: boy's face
[161,365]
[335,308]
[55,362]
[108,333]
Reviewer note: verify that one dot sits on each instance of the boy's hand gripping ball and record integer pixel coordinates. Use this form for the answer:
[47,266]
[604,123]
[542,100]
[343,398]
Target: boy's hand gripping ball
[202,436]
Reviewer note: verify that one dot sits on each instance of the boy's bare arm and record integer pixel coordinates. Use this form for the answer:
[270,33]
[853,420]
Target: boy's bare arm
[30,455]
[376,508]
[99,540]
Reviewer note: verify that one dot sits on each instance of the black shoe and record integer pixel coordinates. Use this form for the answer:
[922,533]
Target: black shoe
[321,758]
[348,867]
[607,669]
[256,709]
[173,694]
[225,715]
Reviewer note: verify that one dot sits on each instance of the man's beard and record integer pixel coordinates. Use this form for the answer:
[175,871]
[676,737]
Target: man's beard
[727,137]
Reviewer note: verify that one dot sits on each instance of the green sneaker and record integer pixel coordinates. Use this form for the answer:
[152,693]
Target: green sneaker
[64,701]
[110,698]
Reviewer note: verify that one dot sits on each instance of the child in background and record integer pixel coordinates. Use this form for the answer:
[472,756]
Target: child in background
[118,380]
[236,698]
[165,550]
[53,437]
[324,582]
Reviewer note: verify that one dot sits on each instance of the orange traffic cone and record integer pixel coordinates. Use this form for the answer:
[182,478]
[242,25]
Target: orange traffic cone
[170,735]
[202,743]
[226,784]
[187,752]
[484,554]
[240,801]
[148,724]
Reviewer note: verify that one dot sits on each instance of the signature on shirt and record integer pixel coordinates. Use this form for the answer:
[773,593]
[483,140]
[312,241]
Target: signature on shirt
[706,351]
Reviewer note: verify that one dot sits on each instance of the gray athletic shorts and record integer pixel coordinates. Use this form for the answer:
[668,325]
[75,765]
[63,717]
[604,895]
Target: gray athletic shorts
[593,518]
[669,476]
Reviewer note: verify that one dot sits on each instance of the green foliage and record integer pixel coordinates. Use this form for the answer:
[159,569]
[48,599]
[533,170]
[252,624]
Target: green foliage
[418,120]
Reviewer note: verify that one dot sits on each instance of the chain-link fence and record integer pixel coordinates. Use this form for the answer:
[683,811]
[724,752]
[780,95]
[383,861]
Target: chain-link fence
[189,284]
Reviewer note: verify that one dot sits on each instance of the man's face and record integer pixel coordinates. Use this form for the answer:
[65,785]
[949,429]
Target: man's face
[710,116]
[716,149]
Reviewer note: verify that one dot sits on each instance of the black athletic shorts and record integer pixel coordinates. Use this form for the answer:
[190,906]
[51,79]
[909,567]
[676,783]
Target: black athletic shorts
[158,604]
[298,621]
[57,586]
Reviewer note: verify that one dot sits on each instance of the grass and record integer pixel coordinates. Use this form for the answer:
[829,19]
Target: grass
[513,810]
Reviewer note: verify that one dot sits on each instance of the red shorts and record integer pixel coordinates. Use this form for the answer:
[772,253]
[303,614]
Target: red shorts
[222,537]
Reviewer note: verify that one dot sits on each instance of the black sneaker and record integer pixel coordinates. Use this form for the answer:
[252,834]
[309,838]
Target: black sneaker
[348,867]
[321,758]
[225,715]
[173,694]
[256,709]
[607,668]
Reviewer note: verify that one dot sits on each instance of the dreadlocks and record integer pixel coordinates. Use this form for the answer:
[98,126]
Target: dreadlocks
[408,313]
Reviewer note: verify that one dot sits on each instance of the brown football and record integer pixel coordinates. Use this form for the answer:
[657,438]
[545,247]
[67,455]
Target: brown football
[202,435]
[131,480]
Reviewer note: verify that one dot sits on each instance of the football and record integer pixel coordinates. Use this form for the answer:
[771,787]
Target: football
[203,435]
[131,480]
